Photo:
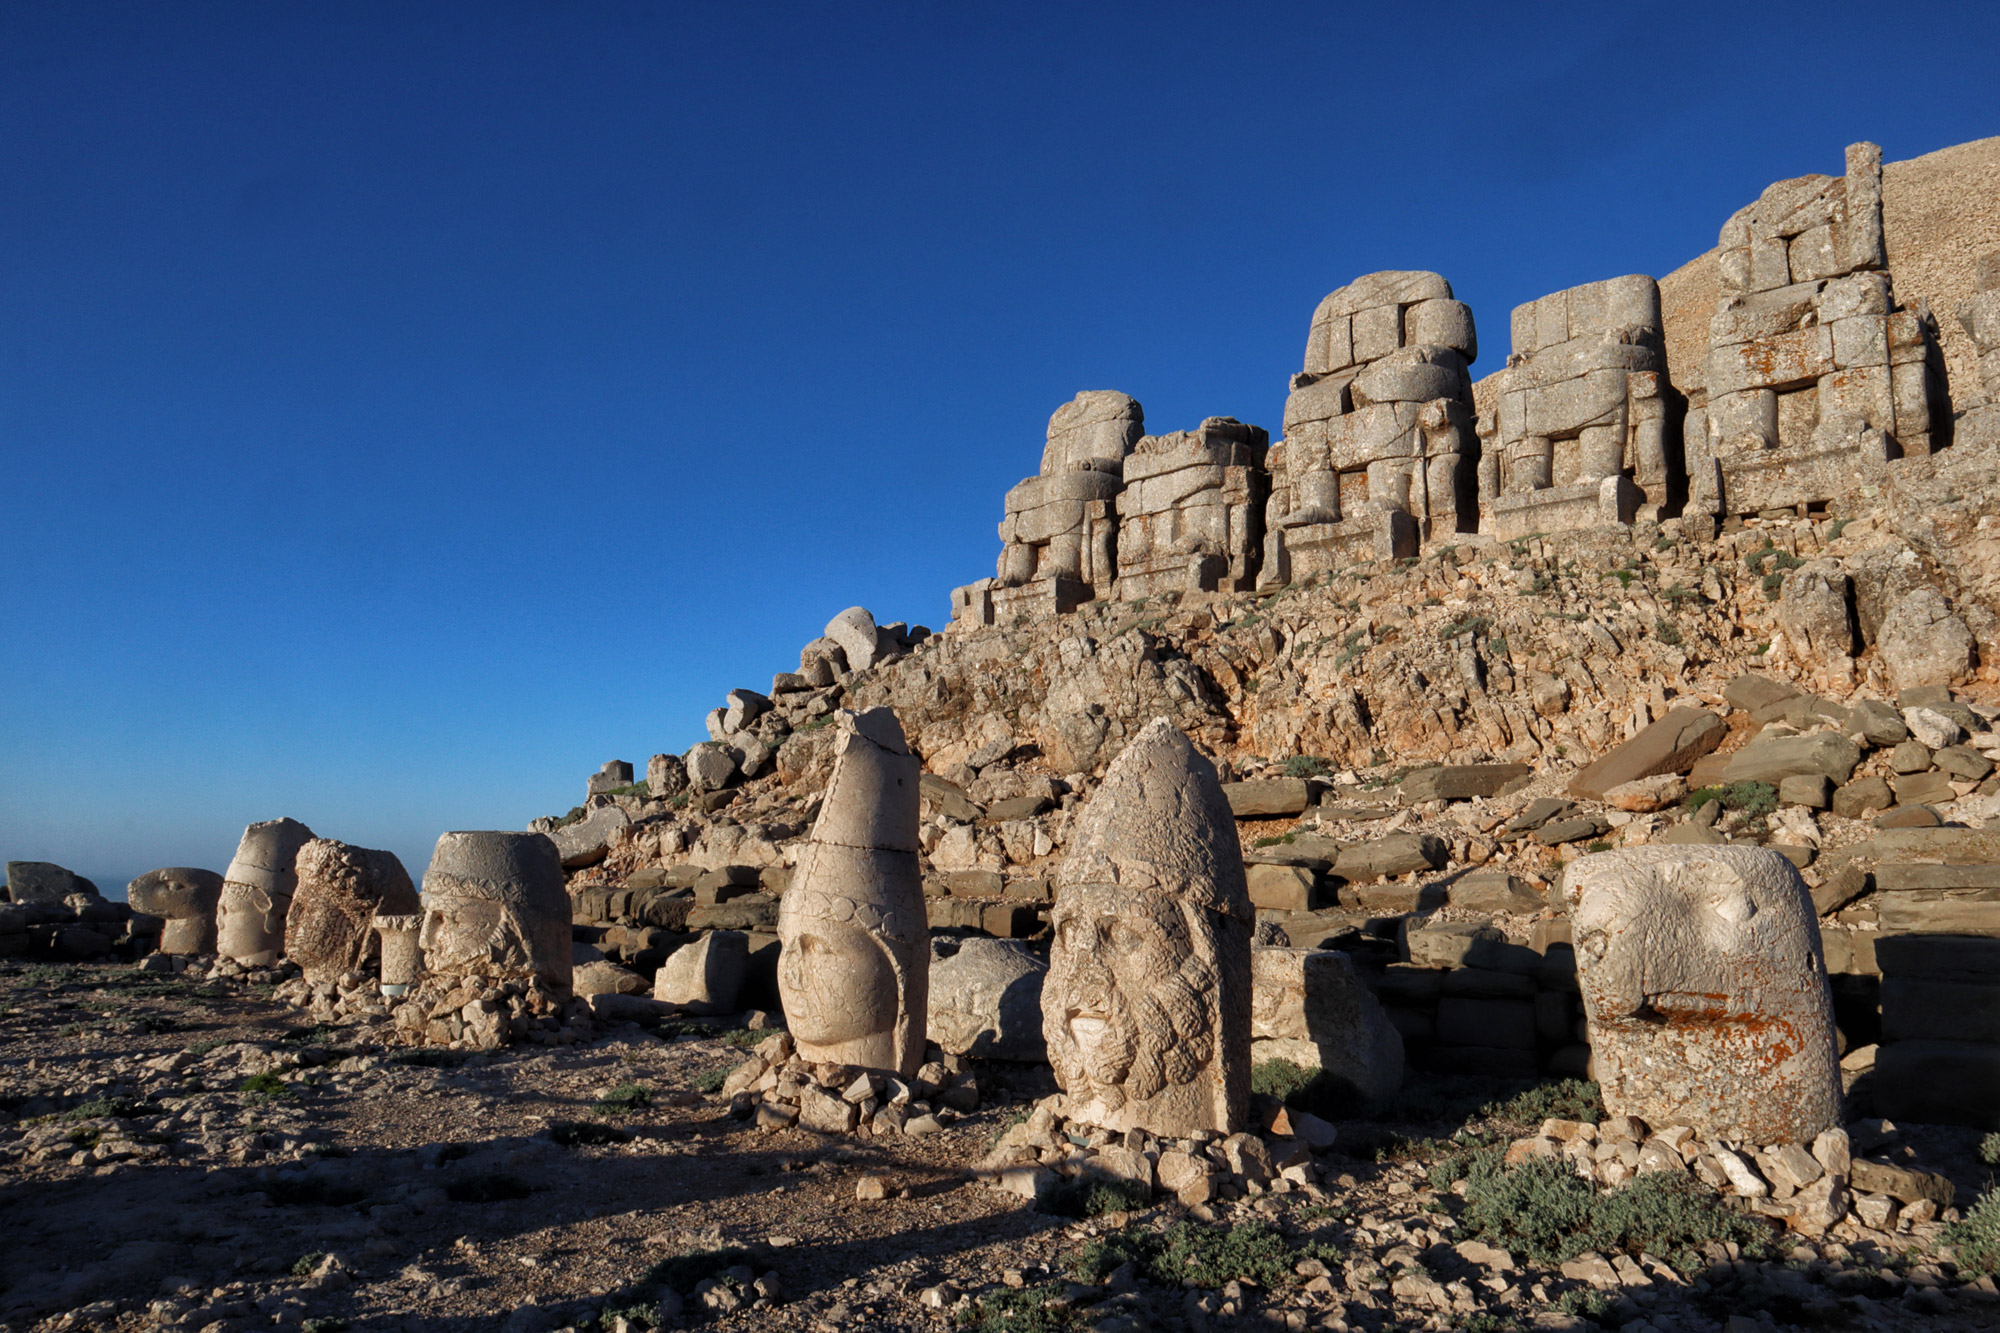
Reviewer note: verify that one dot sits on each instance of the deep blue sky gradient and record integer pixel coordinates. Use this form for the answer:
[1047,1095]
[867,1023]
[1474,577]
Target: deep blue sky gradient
[404,408]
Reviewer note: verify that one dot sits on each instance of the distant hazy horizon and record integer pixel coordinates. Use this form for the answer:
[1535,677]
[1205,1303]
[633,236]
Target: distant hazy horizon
[404,409]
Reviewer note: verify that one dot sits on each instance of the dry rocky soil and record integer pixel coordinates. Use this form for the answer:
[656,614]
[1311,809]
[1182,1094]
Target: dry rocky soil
[186,1152]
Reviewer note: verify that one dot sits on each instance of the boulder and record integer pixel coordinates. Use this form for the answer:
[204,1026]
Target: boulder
[860,641]
[1922,642]
[1670,745]
[1267,798]
[1495,891]
[45,882]
[1644,796]
[1772,759]
[1812,790]
[1879,723]
[706,976]
[1461,782]
[1816,610]
[1705,993]
[1281,888]
[1750,691]
[710,766]
[986,1001]
[602,977]
[588,840]
[1311,1007]
[666,776]
[1862,796]
[1396,854]
[1931,728]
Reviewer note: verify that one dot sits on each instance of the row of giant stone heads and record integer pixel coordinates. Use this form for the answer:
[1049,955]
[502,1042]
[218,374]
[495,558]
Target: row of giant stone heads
[493,905]
[1814,379]
[1703,980]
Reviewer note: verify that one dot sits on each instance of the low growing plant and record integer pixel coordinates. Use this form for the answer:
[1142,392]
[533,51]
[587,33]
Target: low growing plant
[1190,1254]
[1976,1236]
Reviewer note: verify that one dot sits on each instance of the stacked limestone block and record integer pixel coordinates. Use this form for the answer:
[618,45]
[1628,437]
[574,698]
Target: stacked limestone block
[1978,424]
[1060,536]
[1815,377]
[1191,516]
[1379,450]
[1578,434]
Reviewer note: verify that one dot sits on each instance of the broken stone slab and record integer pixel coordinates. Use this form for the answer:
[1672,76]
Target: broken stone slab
[710,766]
[1464,944]
[1812,790]
[1281,888]
[1462,782]
[940,796]
[1574,829]
[986,1001]
[1539,812]
[45,882]
[1395,854]
[1311,1007]
[1772,759]
[1902,1183]
[666,776]
[1670,745]
[1267,798]
[1880,724]
[1963,763]
[751,912]
[1931,728]
[1018,807]
[1750,692]
[1495,891]
[1923,788]
[1705,992]
[1944,911]
[1862,796]
[588,840]
[1646,795]
[603,977]
[706,976]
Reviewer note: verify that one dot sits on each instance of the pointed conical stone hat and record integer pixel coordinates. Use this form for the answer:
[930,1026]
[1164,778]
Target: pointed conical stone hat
[1159,823]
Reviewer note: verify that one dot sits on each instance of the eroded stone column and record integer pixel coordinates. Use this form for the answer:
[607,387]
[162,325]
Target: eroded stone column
[1146,1009]
[855,967]
[1705,991]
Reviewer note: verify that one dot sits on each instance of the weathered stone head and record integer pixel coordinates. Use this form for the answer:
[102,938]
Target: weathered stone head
[257,892]
[495,907]
[330,928]
[855,968]
[186,898]
[1705,991]
[1147,1004]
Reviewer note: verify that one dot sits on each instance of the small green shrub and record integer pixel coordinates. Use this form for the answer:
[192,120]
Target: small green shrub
[325,1324]
[1466,625]
[1039,1309]
[1670,1215]
[1598,847]
[624,1099]
[264,1087]
[1190,1254]
[1976,1236]
[1591,1305]
[1754,799]
[1540,1208]
[1989,1149]
[1300,1088]
[1088,1197]
[1497,646]
[680,1272]
[1667,632]
[1566,1099]
[711,1080]
[303,1265]
[120,1108]
[1304,766]
[1839,526]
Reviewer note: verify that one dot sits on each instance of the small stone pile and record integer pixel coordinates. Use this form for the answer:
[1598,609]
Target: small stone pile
[1808,1188]
[778,1089]
[1037,1156]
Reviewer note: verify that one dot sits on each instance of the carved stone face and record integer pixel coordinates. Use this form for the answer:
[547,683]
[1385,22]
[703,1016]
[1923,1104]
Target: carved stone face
[250,924]
[840,985]
[1134,973]
[473,934]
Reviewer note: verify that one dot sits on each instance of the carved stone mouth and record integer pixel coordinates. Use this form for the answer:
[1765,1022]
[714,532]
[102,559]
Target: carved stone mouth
[1088,1029]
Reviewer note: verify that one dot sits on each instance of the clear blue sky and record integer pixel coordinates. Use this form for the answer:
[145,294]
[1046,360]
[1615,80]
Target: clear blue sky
[404,408]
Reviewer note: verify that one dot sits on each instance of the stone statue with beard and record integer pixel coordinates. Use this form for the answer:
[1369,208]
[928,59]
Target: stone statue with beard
[1147,1004]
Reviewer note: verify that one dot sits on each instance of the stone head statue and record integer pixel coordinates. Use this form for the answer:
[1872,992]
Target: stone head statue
[854,971]
[257,892]
[1705,991]
[1147,1004]
[186,898]
[330,928]
[495,908]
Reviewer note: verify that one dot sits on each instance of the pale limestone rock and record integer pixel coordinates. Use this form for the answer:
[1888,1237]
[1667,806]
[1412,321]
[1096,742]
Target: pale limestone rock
[1191,515]
[1147,1004]
[186,898]
[706,975]
[495,909]
[1705,991]
[330,926]
[986,1001]
[855,967]
[1922,643]
[257,890]
[1309,1006]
